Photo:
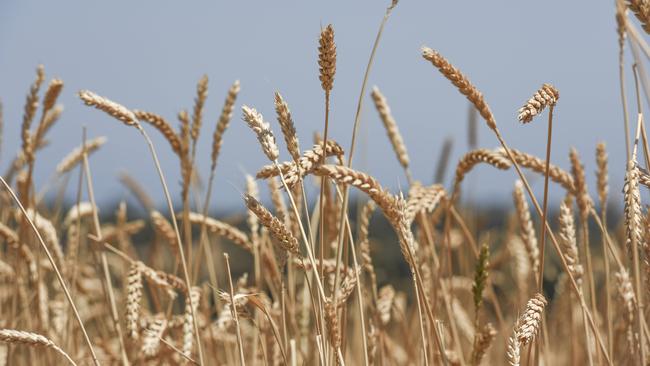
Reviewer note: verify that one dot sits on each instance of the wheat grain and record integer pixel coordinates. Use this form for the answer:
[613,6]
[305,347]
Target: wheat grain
[567,236]
[75,156]
[199,102]
[133,298]
[263,131]
[526,227]
[482,342]
[277,229]
[31,339]
[113,109]
[461,82]
[632,207]
[391,127]
[224,121]
[641,9]
[287,126]
[530,320]
[546,96]
[161,124]
[327,58]
[307,163]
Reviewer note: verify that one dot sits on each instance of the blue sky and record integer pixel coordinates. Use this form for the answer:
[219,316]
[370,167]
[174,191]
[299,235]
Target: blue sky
[150,54]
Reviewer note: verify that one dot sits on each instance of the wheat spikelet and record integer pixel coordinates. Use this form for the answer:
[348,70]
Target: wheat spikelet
[364,242]
[43,305]
[133,298]
[222,229]
[113,109]
[188,336]
[632,207]
[52,94]
[78,212]
[385,303]
[602,173]
[641,9]
[252,220]
[287,126]
[526,227]
[469,161]
[627,301]
[327,58]
[75,156]
[391,127]
[307,163]
[332,321]
[263,131]
[578,172]
[278,201]
[277,229]
[423,199]
[547,95]
[199,102]
[49,233]
[483,341]
[165,229]
[31,339]
[480,276]
[461,82]
[161,124]
[531,319]
[49,119]
[224,121]
[9,236]
[152,335]
[363,182]
[513,350]
[567,236]
[31,104]
[556,174]
[522,266]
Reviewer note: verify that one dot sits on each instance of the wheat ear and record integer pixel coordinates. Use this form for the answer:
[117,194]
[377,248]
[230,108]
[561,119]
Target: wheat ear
[546,96]
[161,124]
[133,298]
[31,339]
[526,227]
[531,320]
[263,131]
[327,57]
[277,229]
[287,126]
[391,127]
[199,102]
[75,156]
[461,82]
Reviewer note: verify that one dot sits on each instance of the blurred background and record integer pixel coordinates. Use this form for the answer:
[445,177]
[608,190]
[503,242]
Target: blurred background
[150,54]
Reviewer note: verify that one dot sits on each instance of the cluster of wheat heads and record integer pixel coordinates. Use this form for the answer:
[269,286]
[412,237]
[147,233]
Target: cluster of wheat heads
[83,291]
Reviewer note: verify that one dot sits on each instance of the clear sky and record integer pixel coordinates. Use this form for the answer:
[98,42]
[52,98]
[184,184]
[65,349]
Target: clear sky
[150,54]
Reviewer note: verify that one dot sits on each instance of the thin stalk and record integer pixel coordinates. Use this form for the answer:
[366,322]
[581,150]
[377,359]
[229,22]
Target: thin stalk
[542,246]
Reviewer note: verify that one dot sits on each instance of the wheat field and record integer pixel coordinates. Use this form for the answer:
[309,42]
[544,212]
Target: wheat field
[553,283]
